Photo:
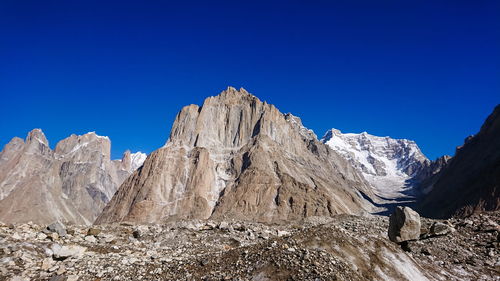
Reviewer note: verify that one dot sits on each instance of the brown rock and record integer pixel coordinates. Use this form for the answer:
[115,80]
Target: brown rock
[404,225]
[239,157]
[72,183]
[93,231]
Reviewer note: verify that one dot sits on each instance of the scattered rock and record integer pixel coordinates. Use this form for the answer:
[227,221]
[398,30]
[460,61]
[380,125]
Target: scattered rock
[223,225]
[16,236]
[439,228]
[93,231]
[18,278]
[53,236]
[61,270]
[58,228]
[140,231]
[136,234]
[282,233]
[47,263]
[425,251]
[58,278]
[54,268]
[318,249]
[90,239]
[64,252]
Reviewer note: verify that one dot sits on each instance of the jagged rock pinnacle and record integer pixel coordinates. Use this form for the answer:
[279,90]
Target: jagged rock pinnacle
[71,183]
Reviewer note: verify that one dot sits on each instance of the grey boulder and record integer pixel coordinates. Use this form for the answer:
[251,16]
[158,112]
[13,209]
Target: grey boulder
[404,225]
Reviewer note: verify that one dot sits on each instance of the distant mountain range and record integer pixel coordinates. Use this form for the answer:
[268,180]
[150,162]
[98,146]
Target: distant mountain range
[395,168]
[72,183]
[239,157]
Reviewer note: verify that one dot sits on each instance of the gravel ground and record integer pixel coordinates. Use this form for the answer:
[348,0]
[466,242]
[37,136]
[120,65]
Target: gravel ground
[339,248]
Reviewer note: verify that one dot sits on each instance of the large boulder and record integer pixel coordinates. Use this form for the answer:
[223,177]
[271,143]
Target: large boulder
[404,225]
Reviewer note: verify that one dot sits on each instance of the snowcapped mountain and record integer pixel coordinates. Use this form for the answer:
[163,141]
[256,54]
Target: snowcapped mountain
[388,164]
[137,159]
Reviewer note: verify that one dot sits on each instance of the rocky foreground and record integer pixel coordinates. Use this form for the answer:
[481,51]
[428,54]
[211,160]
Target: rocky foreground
[339,248]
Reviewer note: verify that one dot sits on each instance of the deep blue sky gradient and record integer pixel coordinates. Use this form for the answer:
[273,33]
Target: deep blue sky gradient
[422,70]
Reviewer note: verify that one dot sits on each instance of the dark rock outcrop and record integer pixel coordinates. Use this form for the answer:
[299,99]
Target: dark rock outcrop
[470,182]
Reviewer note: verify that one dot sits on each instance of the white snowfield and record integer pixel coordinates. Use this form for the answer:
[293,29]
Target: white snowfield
[98,136]
[384,162]
[138,159]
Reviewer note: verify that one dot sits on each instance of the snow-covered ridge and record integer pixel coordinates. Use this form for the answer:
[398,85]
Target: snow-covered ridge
[100,137]
[387,164]
[81,141]
[137,159]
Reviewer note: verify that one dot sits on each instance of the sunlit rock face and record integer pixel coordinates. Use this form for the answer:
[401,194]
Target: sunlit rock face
[239,157]
[71,183]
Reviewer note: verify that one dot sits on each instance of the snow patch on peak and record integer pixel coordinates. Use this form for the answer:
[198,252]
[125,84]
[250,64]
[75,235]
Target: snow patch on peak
[387,164]
[137,159]
[96,135]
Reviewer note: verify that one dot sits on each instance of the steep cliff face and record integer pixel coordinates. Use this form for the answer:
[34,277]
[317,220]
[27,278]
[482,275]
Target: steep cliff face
[238,157]
[470,182]
[425,178]
[73,183]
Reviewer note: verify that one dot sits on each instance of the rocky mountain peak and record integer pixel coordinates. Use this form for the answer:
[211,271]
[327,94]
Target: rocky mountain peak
[231,119]
[126,160]
[131,161]
[231,96]
[71,183]
[236,156]
[37,143]
[233,93]
[37,135]
[14,144]
[330,133]
[16,141]
[87,143]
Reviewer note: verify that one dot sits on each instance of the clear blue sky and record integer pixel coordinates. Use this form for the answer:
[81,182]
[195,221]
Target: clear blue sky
[422,70]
